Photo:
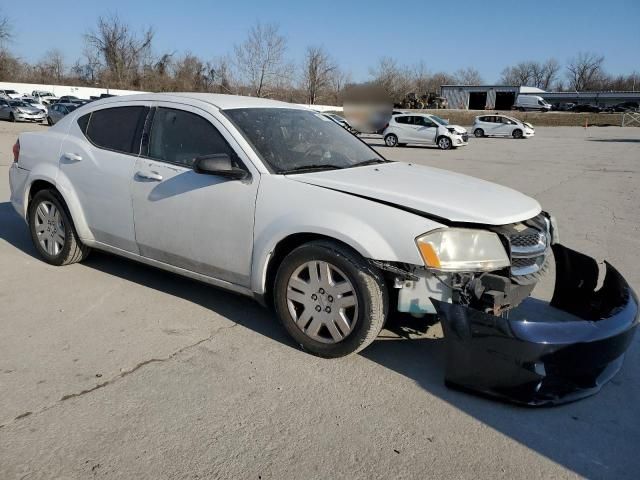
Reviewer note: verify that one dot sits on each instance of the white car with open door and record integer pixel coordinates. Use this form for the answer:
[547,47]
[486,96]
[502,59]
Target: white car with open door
[281,204]
[423,129]
[501,126]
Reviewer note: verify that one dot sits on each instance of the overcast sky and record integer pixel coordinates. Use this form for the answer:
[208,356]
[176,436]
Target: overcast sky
[446,36]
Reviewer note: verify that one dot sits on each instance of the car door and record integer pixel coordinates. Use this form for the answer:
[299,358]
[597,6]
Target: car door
[425,130]
[4,109]
[199,222]
[97,160]
[506,126]
[403,128]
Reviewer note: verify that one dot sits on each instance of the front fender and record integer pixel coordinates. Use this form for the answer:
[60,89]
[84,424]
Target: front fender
[374,230]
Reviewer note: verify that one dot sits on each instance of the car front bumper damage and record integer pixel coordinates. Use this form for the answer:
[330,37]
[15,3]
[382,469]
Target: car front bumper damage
[542,361]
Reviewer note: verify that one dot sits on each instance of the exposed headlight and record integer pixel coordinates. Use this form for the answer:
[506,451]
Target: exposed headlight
[461,249]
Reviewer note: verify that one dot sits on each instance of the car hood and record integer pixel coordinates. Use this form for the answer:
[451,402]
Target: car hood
[431,191]
[29,109]
[457,128]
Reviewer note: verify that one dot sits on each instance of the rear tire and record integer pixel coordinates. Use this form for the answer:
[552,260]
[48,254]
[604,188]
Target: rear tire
[478,132]
[391,140]
[517,133]
[52,230]
[353,288]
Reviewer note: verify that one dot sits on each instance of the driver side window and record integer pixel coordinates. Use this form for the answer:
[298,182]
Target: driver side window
[179,137]
[427,123]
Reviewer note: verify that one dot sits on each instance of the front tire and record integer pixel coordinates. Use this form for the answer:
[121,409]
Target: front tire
[49,121]
[517,133]
[391,140]
[12,117]
[52,230]
[331,300]
[444,143]
[478,132]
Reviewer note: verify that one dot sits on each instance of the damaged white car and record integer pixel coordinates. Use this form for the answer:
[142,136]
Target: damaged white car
[281,204]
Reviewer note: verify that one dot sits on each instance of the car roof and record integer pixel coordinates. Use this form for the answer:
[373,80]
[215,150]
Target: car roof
[218,100]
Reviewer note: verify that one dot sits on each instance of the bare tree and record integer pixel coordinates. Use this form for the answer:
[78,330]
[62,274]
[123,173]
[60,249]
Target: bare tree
[6,30]
[121,51]
[469,76]
[317,73]
[394,80]
[51,68]
[260,59]
[338,82]
[584,72]
[520,74]
[549,74]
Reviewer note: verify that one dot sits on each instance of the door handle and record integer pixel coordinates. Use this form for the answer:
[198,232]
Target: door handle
[153,176]
[73,157]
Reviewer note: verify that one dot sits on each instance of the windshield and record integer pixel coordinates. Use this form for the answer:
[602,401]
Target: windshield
[290,140]
[439,120]
[18,104]
[10,92]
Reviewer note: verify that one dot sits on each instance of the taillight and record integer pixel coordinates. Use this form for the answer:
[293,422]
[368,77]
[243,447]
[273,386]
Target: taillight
[16,151]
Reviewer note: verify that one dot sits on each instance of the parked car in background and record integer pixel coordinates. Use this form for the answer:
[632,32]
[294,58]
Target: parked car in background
[531,102]
[9,94]
[585,107]
[35,102]
[59,110]
[313,221]
[19,111]
[68,99]
[340,121]
[423,129]
[626,107]
[501,126]
[562,107]
[44,96]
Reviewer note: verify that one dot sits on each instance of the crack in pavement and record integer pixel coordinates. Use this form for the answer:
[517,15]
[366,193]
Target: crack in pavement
[120,376]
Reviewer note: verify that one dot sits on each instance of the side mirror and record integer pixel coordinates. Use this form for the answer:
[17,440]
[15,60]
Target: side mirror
[219,164]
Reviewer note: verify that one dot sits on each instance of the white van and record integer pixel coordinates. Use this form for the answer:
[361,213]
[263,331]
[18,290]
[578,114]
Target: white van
[531,102]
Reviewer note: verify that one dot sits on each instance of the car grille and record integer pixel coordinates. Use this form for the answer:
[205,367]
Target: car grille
[530,240]
[465,137]
[530,247]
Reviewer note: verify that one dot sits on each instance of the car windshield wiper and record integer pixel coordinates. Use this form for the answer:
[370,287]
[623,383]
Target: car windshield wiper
[311,168]
[371,161]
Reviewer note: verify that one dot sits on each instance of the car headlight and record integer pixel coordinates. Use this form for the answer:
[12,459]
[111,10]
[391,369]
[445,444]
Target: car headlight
[461,249]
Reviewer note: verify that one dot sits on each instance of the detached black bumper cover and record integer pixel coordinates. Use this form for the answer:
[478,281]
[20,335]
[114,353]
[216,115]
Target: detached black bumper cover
[541,361]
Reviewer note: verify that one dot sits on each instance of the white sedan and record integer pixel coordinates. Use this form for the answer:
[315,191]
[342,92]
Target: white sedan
[501,126]
[281,204]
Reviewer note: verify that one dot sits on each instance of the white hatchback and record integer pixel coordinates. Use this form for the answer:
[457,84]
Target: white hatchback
[501,126]
[423,128]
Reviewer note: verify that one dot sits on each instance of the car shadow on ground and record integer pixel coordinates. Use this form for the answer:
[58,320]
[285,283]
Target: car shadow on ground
[583,437]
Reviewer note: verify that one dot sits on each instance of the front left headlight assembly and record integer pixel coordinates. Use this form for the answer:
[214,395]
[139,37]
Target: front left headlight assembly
[462,249]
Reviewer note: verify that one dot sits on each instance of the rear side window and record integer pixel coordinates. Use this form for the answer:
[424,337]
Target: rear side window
[179,137]
[402,119]
[115,128]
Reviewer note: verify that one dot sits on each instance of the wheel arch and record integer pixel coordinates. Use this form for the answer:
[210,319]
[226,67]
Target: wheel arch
[42,182]
[282,248]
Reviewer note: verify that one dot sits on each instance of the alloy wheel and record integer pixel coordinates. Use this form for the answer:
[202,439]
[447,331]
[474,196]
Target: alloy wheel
[49,228]
[322,301]
[444,143]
